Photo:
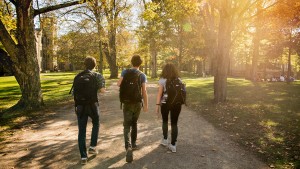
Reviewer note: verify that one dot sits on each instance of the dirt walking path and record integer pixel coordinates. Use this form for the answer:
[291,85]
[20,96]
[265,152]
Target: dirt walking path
[54,143]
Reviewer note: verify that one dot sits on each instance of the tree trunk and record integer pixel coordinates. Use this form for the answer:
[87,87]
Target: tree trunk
[289,59]
[180,33]
[256,41]
[26,69]
[113,54]
[153,53]
[99,29]
[146,65]
[100,67]
[224,41]
[211,36]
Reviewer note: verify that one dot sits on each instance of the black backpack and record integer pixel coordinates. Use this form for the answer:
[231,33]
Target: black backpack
[130,88]
[85,88]
[176,91]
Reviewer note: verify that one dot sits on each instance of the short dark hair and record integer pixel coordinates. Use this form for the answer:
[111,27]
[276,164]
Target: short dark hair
[89,62]
[136,60]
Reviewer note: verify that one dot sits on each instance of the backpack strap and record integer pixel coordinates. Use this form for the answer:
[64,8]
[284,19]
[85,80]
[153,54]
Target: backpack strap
[71,89]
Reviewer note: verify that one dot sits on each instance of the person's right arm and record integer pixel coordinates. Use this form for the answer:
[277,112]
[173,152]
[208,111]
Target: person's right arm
[100,83]
[121,78]
[145,97]
[158,97]
[120,81]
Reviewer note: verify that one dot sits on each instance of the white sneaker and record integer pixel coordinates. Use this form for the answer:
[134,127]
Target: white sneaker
[164,142]
[172,148]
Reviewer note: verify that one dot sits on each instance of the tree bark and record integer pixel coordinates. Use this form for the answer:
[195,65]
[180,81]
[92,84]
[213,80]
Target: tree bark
[209,16]
[153,52]
[26,69]
[256,44]
[289,72]
[100,67]
[113,54]
[99,29]
[5,61]
[224,41]
[180,34]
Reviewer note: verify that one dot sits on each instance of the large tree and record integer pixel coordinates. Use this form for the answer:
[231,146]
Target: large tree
[21,48]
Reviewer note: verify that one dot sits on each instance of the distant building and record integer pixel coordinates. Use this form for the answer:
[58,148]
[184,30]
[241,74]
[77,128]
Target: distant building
[48,39]
[38,38]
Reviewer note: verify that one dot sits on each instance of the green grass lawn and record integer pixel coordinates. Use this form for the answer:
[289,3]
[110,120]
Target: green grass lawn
[264,117]
[55,89]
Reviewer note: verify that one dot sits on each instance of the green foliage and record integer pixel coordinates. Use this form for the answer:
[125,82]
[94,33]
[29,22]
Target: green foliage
[75,46]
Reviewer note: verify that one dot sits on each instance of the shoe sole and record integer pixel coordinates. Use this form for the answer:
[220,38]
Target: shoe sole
[93,153]
[129,156]
[83,162]
[164,144]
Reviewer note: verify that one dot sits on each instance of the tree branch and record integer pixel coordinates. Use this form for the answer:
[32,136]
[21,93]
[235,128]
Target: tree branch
[13,2]
[55,7]
[7,41]
[7,8]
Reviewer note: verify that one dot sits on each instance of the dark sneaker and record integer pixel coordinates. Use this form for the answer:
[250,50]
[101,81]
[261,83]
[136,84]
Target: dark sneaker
[135,147]
[83,161]
[93,151]
[129,155]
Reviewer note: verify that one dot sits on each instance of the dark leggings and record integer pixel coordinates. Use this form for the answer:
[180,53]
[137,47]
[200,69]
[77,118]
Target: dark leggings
[175,111]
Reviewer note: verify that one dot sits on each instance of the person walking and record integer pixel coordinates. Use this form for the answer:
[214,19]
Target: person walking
[85,87]
[133,97]
[168,73]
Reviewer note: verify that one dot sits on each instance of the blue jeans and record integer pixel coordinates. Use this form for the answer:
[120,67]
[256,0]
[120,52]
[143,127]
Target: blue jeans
[83,112]
[131,112]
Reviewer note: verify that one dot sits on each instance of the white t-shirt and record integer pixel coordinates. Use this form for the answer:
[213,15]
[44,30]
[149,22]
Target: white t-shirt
[162,81]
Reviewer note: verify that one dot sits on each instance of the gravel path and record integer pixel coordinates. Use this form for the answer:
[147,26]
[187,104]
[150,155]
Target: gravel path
[53,144]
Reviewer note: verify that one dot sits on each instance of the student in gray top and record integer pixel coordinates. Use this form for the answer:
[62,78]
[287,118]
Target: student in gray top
[133,96]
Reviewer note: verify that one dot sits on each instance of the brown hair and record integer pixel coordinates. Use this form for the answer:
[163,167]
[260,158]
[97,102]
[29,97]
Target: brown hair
[169,72]
[136,60]
[89,62]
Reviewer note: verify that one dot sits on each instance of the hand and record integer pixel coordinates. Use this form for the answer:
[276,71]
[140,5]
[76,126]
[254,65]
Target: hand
[145,108]
[158,112]
[157,109]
